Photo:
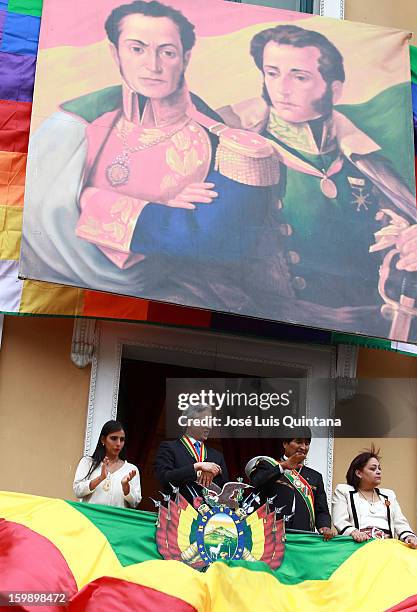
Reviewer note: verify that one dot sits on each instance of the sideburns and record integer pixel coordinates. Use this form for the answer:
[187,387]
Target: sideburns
[265,94]
[324,105]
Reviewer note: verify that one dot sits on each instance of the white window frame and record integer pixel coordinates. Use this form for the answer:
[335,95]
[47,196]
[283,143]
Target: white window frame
[207,350]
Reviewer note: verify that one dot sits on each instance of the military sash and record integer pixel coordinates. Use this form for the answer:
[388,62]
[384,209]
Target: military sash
[199,457]
[301,485]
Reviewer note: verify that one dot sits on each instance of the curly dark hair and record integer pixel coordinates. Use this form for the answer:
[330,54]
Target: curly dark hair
[331,60]
[150,9]
[358,463]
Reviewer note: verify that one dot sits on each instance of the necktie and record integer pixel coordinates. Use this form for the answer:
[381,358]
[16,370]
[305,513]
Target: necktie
[197,446]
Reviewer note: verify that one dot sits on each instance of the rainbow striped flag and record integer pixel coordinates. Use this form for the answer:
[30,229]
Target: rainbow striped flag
[106,558]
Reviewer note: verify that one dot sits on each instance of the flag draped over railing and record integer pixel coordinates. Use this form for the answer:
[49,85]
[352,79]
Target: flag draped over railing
[98,554]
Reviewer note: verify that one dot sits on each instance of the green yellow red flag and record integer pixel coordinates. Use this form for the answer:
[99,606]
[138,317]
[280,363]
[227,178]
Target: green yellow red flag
[98,554]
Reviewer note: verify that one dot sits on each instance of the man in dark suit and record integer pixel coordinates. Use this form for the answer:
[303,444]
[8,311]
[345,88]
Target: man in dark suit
[188,461]
[296,488]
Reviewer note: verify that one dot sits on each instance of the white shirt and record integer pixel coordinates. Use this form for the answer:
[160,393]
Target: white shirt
[114,496]
[347,506]
[368,519]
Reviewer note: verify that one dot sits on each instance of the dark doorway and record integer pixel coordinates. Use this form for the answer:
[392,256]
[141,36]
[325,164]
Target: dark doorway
[141,408]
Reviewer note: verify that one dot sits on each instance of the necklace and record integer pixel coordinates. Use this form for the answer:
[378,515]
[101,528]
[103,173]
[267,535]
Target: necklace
[107,483]
[115,465]
[119,170]
[371,503]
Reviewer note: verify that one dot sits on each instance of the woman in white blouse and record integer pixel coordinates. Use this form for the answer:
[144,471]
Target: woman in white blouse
[106,477]
[363,510]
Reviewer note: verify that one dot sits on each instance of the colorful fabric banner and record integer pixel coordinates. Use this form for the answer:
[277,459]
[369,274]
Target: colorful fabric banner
[98,554]
[19,26]
[117,159]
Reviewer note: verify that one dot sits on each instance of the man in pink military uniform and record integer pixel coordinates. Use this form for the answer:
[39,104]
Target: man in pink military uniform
[139,189]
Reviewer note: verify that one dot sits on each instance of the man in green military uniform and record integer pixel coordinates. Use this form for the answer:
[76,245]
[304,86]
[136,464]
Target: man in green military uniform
[335,190]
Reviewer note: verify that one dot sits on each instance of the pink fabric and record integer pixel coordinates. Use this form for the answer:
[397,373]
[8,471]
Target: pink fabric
[61,24]
[159,172]
[121,260]
[109,212]
[107,218]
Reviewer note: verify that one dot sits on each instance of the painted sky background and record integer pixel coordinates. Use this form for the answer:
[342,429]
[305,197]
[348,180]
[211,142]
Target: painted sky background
[74,58]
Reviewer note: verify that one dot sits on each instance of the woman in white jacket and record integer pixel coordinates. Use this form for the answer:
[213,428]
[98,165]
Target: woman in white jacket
[106,477]
[363,510]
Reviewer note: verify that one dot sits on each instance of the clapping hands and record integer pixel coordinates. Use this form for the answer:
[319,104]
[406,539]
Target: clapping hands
[125,481]
[104,468]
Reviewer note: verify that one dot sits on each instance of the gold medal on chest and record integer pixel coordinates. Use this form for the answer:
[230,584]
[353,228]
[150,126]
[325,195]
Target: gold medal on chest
[117,173]
[106,485]
[328,188]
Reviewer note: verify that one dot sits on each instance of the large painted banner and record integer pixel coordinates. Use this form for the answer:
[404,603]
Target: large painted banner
[234,158]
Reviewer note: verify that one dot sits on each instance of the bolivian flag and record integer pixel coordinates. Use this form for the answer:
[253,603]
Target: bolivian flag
[106,559]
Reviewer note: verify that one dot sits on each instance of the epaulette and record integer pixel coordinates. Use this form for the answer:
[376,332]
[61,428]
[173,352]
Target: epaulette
[243,156]
[247,158]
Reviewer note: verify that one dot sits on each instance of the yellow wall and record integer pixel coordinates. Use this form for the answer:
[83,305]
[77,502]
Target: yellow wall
[401,14]
[399,460]
[399,455]
[43,403]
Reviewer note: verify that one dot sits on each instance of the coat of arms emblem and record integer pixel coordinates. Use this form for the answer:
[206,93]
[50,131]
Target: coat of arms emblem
[220,525]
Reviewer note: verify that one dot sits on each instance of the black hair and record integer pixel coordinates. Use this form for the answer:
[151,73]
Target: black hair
[330,62]
[100,451]
[297,433]
[150,9]
[358,463]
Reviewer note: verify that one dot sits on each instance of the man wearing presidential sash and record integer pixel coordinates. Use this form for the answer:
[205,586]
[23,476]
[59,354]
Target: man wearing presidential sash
[188,462]
[293,487]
